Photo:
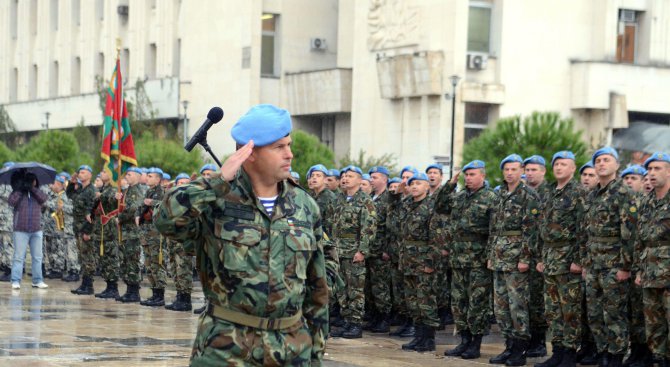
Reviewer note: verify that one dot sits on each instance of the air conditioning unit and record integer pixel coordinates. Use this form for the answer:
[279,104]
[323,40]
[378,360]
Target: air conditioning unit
[627,16]
[317,44]
[477,61]
[122,10]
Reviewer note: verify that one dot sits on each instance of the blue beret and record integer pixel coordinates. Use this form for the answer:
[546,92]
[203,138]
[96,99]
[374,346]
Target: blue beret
[510,159]
[353,169]
[97,176]
[395,180]
[317,168]
[264,124]
[144,170]
[409,168]
[657,157]
[134,169]
[535,159]
[60,179]
[64,174]
[208,166]
[497,188]
[334,172]
[379,169]
[295,175]
[366,177]
[182,176]
[564,154]
[166,176]
[523,176]
[418,177]
[586,165]
[605,150]
[635,169]
[155,170]
[434,166]
[8,164]
[86,167]
[476,164]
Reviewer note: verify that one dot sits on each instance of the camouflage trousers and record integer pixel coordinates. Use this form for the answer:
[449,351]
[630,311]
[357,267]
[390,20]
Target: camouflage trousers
[6,250]
[333,278]
[587,335]
[60,254]
[443,284]
[129,254]
[182,268]
[511,297]
[636,315]
[538,321]
[154,261]
[219,342]
[380,281]
[398,289]
[471,299]
[110,266]
[421,298]
[563,304]
[608,310]
[89,254]
[657,320]
[352,297]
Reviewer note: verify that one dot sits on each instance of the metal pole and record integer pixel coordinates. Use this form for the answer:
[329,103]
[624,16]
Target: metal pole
[185,104]
[454,82]
[46,125]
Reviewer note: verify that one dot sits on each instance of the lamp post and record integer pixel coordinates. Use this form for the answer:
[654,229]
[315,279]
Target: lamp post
[454,82]
[46,124]
[185,104]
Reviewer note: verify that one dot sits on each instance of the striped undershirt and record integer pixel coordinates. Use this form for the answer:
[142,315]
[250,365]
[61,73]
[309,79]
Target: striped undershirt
[268,204]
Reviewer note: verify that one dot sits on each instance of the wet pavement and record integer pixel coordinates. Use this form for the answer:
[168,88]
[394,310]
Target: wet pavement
[52,327]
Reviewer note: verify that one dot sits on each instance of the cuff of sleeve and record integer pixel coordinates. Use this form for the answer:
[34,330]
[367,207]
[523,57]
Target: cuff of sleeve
[219,185]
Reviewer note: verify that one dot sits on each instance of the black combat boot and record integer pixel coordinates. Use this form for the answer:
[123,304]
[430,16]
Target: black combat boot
[86,286]
[71,277]
[504,356]
[372,321]
[132,294]
[150,299]
[555,359]
[604,359]
[407,327]
[409,331]
[200,310]
[474,348]
[355,331]
[6,275]
[337,332]
[418,337]
[427,342]
[616,360]
[54,275]
[466,339]
[159,299]
[664,362]
[112,291]
[382,325]
[447,317]
[397,319]
[645,358]
[538,346]
[569,358]
[518,357]
[587,355]
[183,303]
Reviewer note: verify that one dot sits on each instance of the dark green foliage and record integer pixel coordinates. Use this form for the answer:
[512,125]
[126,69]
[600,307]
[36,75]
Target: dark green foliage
[387,160]
[56,148]
[168,155]
[308,151]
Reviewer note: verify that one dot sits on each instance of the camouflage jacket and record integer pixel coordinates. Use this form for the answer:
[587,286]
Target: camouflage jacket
[354,224]
[543,191]
[380,242]
[133,200]
[249,262]
[105,204]
[326,200]
[395,210]
[83,200]
[416,251]
[51,208]
[560,223]
[6,211]
[653,241]
[610,220]
[469,220]
[146,212]
[513,228]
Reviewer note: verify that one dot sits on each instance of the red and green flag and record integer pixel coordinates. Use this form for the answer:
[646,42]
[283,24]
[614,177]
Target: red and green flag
[118,150]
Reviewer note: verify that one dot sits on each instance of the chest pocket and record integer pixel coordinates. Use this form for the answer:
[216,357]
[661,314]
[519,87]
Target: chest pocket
[240,242]
[300,246]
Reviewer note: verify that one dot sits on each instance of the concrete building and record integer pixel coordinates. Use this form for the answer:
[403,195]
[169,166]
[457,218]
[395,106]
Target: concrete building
[360,74]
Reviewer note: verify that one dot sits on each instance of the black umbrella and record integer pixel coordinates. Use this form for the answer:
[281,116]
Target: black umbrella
[44,174]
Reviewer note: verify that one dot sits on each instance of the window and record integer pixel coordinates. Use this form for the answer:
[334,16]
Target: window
[100,9]
[99,66]
[33,17]
[75,78]
[76,16]
[32,83]
[479,26]
[53,80]
[13,84]
[627,36]
[125,63]
[476,119]
[54,15]
[150,67]
[268,45]
[13,25]
[176,59]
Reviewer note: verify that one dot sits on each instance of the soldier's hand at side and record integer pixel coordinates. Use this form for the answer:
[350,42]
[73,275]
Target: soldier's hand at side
[622,275]
[575,269]
[86,237]
[445,253]
[522,267]
[385,256]
[428,270]
[60,204]
[118,195]
[454,179]
[540,267]
[97,195]
[137,221]
[88,218]
[583,273]
[638,280]
[359,257]
[234,162]
[489,264]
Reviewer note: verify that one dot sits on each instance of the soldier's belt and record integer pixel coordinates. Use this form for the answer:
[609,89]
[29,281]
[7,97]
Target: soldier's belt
[557,244]
[252,321]
[605,239]
[655,243]
[511,233]
[347,236]
[471,238]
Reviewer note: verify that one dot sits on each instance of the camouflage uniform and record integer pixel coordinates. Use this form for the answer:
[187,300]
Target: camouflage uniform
[354,226]
[130,248]
[652,260]
[83,200]
[181,267]
[154,247]
[380,269]
[536,307]
[513,231]
[253,267]
[62,255]
[560,223]
[6,229]
[106,235]
[393,213]
[469,215]
[610,219]
[326,201]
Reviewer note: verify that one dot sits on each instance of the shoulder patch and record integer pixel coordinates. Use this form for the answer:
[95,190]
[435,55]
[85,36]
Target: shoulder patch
[534,211]
[633,209]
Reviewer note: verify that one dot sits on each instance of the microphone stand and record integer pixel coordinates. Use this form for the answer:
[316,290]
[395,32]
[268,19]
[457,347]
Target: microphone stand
[203,142]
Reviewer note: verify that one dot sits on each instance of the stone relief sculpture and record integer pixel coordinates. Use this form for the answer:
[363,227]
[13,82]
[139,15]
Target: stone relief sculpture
[391,23]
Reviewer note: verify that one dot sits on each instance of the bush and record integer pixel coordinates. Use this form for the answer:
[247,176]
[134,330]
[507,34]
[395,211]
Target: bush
[168,155]
[308,151]
[6,154]
[387,160]
[56,148]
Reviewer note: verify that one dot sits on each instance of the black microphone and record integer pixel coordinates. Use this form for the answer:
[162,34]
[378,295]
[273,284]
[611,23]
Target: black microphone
[213,116]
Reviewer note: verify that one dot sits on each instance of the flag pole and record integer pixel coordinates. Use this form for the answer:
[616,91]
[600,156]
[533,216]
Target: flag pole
[118,168]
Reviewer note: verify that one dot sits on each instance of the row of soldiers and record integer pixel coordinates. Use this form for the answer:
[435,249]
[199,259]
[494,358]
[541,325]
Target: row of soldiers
[574,258]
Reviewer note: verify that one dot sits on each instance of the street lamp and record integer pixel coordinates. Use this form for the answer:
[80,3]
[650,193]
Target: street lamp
[185,104]
[454,82]
[46,124]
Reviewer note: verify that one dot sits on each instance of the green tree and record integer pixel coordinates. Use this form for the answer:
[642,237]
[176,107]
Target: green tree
[7,128]
[56,148]
[542,133]
[169,155]
[6,154]
[366,162]
[308,151]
